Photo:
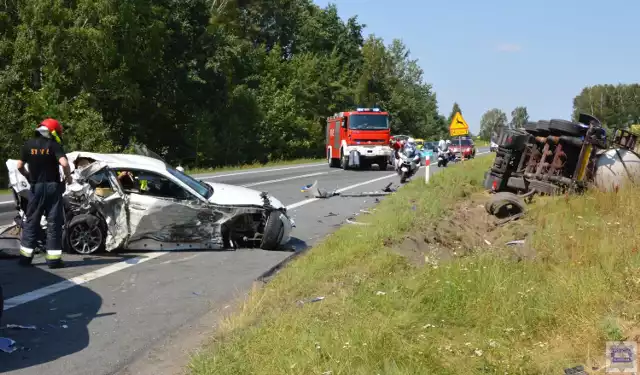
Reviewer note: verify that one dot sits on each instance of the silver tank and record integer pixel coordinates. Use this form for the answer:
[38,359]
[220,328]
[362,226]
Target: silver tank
[614,169]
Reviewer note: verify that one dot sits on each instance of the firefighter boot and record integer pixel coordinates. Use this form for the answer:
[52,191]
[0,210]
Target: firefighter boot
[54,259]
[26,256]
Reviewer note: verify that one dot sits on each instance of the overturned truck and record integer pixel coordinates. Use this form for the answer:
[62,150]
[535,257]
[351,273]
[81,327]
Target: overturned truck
[154,207]
[556,157]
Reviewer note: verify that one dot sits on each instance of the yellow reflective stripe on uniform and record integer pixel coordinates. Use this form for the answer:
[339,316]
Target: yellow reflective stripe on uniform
[143,184]
[25,251]
[53,255]
[55,136]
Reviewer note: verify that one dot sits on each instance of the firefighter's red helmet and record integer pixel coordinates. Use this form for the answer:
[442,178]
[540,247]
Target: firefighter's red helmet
[52,125]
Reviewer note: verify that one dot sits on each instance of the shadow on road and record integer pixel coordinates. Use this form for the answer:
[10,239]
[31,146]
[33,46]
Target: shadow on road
[298,247]
[61,329]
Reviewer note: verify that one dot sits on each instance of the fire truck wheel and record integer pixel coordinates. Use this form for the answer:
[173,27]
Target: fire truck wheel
[344,161]
[383,163]
[333,163]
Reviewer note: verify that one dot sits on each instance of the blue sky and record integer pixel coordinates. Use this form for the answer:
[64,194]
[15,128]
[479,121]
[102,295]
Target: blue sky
[500,53]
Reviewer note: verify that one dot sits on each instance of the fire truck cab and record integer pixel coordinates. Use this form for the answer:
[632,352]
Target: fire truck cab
[365,131]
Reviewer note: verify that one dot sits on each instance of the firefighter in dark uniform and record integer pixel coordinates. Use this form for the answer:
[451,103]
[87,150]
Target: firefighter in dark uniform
[43,155]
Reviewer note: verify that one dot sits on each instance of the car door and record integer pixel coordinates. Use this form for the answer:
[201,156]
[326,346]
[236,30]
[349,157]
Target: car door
[165,216]
[111,200]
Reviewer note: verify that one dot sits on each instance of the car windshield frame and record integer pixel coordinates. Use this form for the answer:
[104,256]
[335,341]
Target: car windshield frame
[202,189]
[367,122]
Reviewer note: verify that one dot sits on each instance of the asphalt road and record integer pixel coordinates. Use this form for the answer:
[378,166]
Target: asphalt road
[105,314]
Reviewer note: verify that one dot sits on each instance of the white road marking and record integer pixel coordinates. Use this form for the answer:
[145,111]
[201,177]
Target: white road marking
[286,179]
[78,280]
[7,202]
[259,171]
[90,276]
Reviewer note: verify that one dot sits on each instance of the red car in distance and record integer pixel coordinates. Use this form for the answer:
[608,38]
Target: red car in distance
[463,148]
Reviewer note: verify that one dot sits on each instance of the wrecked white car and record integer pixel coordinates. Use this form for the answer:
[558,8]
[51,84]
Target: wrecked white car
[136,202]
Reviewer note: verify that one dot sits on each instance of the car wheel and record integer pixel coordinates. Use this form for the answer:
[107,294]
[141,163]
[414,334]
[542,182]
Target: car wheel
[85,235]
[273,232]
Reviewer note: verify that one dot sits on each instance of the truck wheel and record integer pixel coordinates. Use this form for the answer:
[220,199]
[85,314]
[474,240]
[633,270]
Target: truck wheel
[563,127]
[333,163]
[504,204]
[344,161]
[273,232]
[383,162]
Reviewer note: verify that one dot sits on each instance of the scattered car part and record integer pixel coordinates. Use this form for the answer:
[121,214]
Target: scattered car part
[316,192]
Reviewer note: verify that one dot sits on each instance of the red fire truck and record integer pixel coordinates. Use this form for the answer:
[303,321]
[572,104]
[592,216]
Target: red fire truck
[365,130]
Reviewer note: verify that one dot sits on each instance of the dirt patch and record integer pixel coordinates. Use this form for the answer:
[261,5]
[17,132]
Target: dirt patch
[467,228]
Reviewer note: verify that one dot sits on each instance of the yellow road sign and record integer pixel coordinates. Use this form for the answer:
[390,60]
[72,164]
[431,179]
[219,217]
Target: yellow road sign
[458,126]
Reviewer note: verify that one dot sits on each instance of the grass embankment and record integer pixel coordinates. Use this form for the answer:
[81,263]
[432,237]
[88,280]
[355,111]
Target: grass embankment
[480,313]
[275,163]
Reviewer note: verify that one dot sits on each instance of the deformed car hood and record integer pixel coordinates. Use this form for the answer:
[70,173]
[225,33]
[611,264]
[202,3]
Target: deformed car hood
[233,195]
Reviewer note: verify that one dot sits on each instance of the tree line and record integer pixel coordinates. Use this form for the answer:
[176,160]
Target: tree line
[200,82]
[494,120]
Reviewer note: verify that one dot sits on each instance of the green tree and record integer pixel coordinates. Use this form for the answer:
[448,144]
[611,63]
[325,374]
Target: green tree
[202,83]
[519,117]
[492,122]
[455,109]
[615,106]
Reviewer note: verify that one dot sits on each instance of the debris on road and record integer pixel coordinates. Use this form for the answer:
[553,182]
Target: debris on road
[350,220]
[20,326]
[316,192]
[7,345]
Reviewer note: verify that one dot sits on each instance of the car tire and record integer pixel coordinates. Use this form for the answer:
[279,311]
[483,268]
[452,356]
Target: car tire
[92,227]
[273,232]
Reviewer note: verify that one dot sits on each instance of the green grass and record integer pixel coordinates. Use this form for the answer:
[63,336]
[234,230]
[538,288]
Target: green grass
[481,143]
[483,313]
[274,163]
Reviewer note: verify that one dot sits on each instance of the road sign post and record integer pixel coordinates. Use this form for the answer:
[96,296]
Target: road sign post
[458,128]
